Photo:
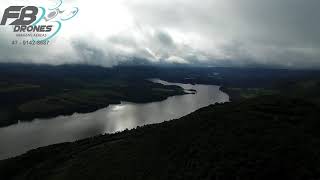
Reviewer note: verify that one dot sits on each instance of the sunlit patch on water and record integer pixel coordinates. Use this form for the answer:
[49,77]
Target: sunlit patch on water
[23,136]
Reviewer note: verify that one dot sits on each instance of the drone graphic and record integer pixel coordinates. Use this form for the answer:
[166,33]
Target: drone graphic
[64,14]
[56,15]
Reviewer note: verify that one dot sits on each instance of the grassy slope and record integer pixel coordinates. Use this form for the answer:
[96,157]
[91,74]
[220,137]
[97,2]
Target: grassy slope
[260,138]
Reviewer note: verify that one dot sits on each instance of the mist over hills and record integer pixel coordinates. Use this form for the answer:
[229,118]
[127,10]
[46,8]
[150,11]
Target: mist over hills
[262,56]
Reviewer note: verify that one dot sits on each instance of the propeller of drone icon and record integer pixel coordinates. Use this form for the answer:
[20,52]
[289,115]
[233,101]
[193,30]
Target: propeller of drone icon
[56,15]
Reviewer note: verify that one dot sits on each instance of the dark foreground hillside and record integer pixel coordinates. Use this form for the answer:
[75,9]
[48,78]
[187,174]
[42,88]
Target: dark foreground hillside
[268,137]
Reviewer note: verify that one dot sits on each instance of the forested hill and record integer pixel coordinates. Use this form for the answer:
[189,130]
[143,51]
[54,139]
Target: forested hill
[268,137]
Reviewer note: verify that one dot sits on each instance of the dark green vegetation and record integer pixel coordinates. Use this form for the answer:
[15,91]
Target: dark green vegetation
[268,137]
[30,91]
[41,91]
[269,131]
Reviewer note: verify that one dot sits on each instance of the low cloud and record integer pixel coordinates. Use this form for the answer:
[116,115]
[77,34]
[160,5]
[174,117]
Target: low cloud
[206,32]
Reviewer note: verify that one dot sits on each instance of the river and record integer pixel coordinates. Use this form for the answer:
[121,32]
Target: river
[23,136]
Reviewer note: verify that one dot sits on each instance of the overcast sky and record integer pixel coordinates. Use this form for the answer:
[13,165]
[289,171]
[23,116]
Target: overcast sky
[278,33]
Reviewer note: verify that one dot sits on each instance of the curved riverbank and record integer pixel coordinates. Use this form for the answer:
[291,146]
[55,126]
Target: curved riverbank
[118,117]
[259,138]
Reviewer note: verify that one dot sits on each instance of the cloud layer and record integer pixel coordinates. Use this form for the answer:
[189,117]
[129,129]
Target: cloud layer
[206,32]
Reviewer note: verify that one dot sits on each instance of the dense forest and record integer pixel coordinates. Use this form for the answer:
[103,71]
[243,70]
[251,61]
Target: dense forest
[270,130]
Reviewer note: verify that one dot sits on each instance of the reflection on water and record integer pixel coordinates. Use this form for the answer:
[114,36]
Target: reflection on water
[21,137]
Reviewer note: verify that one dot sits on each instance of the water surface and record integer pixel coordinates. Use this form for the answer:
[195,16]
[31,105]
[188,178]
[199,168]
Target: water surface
[19,138]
